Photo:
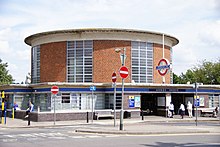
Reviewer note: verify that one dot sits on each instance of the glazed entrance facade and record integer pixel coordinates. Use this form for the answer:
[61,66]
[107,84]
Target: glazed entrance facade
[76,99]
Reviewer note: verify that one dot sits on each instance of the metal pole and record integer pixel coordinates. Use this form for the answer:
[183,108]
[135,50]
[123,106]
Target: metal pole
[122,100]
[196,104]
[114,104]
[54,110]
[122,95]
[92,106]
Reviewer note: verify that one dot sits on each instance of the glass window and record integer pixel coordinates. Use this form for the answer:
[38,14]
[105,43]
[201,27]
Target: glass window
[79,61]
[109,101]
[142,62]
[65,97]
[213,101]
[35,61]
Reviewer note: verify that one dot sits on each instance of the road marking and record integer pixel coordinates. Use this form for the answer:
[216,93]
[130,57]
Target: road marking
[77,137]
[93,136]
[57,137]
[10,136]
[111,136]
[9,140]
[33,139]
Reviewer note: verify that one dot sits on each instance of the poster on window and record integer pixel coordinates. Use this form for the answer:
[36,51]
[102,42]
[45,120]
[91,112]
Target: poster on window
[137,100]
[131,101]
[202,103]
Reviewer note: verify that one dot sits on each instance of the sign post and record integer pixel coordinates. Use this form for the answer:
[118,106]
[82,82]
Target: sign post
[92,88]
[124,74]
[114,83]
[196,86]
[54,90]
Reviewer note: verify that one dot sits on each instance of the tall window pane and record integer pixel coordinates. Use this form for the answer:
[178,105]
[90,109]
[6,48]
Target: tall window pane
[142,62]
[79,61]
[35,61]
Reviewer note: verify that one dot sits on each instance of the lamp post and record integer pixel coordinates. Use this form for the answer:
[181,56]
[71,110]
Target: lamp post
[122,56]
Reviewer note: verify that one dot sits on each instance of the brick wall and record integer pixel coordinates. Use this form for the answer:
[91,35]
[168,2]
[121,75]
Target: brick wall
[158,55]
[53,62]
[106,60]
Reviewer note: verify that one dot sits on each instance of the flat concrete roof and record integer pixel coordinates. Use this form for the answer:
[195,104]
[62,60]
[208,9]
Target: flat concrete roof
[29,39]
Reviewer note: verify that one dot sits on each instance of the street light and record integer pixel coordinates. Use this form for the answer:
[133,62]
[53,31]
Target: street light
[123,57]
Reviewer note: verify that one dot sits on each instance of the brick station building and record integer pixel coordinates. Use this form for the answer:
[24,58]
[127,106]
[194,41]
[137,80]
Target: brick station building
[77,59]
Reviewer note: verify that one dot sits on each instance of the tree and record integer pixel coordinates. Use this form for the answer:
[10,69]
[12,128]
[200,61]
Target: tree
[207,73]
[5,77]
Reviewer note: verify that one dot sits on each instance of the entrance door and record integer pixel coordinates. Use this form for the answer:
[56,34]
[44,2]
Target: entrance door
[148,104]
[177,99]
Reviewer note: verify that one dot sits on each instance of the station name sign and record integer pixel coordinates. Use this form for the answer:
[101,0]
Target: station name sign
[163,66]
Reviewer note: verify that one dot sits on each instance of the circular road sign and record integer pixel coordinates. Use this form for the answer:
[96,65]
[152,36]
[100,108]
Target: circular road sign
[123,71]
[114,77]
[54,89]
[163,67]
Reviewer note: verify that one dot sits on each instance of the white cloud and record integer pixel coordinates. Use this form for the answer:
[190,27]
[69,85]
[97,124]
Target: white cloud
[195,24]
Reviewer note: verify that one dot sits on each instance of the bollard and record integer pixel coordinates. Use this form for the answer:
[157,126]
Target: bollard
[13,113]
[142,114]
[87,117]
[29,119]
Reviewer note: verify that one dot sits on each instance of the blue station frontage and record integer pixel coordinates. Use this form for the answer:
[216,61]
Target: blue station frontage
[75,101]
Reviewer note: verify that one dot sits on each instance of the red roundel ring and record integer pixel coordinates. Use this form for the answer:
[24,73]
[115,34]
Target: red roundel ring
[162,72]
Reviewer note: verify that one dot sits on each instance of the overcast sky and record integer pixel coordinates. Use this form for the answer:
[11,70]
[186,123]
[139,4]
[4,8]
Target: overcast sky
[196,23]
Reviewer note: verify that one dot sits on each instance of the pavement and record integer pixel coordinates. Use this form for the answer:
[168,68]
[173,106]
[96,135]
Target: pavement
[131,126]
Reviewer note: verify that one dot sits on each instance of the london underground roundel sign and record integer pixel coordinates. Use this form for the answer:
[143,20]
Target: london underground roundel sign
[123,71]
[163,66]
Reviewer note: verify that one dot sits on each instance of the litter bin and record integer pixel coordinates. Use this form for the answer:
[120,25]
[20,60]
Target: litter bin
[127,114]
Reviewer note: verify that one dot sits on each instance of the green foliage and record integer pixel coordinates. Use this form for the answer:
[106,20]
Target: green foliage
[207,73]
[5,77]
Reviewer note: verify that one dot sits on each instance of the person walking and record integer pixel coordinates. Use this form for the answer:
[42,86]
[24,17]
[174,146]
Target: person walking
[182,110]
[189,108]
[171,110]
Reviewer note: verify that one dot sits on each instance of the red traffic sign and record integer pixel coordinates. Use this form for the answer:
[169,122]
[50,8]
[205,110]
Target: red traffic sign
[123,71]
[54,89]
[114,77]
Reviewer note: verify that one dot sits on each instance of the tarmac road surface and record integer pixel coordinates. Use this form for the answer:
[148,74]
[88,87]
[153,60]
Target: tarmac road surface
[67,137]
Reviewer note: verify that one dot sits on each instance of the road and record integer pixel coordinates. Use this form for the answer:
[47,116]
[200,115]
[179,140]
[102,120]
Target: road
[67,137]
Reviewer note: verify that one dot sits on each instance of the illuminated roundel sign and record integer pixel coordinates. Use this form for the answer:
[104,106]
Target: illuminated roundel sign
[163,66]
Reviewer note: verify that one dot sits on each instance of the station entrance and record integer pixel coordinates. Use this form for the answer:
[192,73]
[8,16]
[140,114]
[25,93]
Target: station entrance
[178,99]
[149,104]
